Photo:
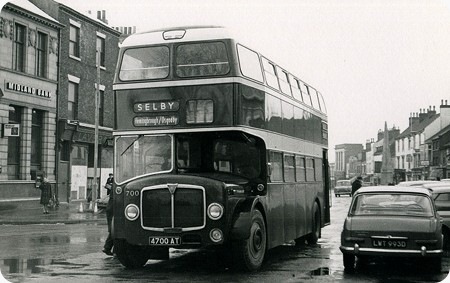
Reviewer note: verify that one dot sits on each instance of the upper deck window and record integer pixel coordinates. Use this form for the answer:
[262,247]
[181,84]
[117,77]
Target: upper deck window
[202,59]
[249,63]
[269,71]
[145,63]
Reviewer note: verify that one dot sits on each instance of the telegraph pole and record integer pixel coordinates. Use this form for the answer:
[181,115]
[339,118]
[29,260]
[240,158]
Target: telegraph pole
[97,94]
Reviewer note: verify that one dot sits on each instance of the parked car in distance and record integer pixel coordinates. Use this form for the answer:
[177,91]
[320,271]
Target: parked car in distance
[417,183]
[441,196]
[392,221]
[343,187]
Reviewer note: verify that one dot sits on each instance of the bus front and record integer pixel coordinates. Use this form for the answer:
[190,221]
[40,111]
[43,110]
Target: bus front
[183,172]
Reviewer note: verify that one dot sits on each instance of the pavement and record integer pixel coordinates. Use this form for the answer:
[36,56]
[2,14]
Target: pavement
[25,212]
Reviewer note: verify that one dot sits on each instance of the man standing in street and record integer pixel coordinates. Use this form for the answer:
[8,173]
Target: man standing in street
[107,248]
[356,185]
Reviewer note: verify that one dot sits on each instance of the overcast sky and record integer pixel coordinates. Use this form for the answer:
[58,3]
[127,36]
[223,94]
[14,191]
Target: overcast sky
[373,61]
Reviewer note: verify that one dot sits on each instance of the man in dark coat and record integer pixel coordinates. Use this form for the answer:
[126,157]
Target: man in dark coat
[46,194]
[107,248]
[356,185]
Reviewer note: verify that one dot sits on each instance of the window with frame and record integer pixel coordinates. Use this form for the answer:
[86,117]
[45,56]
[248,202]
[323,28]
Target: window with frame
[100,51]
[41,55]
[283,79]
[289,168]
[202,59]
[101,108]
[269,72]
[295,86]
[72,101]
[74,41]
[37,120]
[249,63]
[200,111]
[318,169]
[300,169]
[305,94]
[276,161]
[15,113]
[19,47]
[310,170]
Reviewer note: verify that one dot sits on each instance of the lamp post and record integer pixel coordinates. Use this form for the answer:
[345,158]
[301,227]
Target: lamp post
[97,92]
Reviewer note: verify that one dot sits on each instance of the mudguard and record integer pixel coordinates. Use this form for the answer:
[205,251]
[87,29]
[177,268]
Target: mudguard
[243,214]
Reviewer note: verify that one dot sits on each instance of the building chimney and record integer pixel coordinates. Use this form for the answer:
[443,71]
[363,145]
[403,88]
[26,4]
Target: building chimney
[444,114]
[99,15]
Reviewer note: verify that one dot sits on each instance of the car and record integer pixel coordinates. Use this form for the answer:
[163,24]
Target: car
[392,221]
[417,183]
[343,187]
[441,196]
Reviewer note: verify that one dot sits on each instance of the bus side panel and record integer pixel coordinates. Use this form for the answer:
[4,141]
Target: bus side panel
[310,196]
[289,212]
[300,219]
[275,212]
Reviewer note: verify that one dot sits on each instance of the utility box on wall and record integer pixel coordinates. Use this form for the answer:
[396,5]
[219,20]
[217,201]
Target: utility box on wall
[11,130]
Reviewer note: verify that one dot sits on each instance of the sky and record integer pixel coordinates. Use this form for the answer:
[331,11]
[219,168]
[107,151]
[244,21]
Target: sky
[374,61]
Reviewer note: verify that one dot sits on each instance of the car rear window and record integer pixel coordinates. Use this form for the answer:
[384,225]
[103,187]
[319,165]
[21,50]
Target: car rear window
[392,204]
[343,183]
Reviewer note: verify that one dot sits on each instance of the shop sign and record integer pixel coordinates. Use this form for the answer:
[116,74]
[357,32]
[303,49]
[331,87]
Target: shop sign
[28,89]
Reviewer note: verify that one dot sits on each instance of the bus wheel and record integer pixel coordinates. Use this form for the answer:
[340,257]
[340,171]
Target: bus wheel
[314,236]
[130,256]
[249,254]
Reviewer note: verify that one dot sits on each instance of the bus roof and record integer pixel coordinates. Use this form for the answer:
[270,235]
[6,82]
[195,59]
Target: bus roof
[177,34]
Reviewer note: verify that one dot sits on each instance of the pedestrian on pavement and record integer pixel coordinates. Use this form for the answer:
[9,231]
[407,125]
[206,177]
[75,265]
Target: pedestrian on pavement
[356,184]
[46,194]
[108,247]
[109,183]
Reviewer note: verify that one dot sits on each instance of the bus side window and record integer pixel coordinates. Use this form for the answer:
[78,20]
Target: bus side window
[276,161]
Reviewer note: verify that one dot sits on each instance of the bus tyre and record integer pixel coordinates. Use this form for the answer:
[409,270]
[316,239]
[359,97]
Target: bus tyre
[130,256]
[249,254]
[314,236]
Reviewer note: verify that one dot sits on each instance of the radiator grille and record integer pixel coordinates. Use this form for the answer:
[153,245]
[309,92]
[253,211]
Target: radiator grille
[184,208]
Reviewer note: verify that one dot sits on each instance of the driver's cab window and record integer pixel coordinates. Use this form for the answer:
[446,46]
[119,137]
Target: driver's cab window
[237,158]
[188,153]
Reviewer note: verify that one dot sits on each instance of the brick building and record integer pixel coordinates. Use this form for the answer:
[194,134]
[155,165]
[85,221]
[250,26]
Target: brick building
[81,37]
[29,42]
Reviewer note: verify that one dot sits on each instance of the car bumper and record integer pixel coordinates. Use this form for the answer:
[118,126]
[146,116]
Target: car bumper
[423,252]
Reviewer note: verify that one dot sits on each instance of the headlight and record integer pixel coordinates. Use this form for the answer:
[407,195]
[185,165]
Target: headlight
[215,211]
[131,212]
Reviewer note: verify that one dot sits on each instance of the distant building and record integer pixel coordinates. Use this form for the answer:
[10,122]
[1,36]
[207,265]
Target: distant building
[438,145]
[29,50]
[82,35]
[345,153]
[410,152]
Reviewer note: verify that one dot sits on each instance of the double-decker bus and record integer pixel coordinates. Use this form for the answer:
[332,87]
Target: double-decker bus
[215,145]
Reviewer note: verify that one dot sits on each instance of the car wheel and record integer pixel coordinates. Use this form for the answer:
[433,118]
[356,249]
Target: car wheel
[130,256]
[336,195]
[249,254]
[314,236]
[349,261]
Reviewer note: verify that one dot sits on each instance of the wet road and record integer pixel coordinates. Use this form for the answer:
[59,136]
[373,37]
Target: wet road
[72,253]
